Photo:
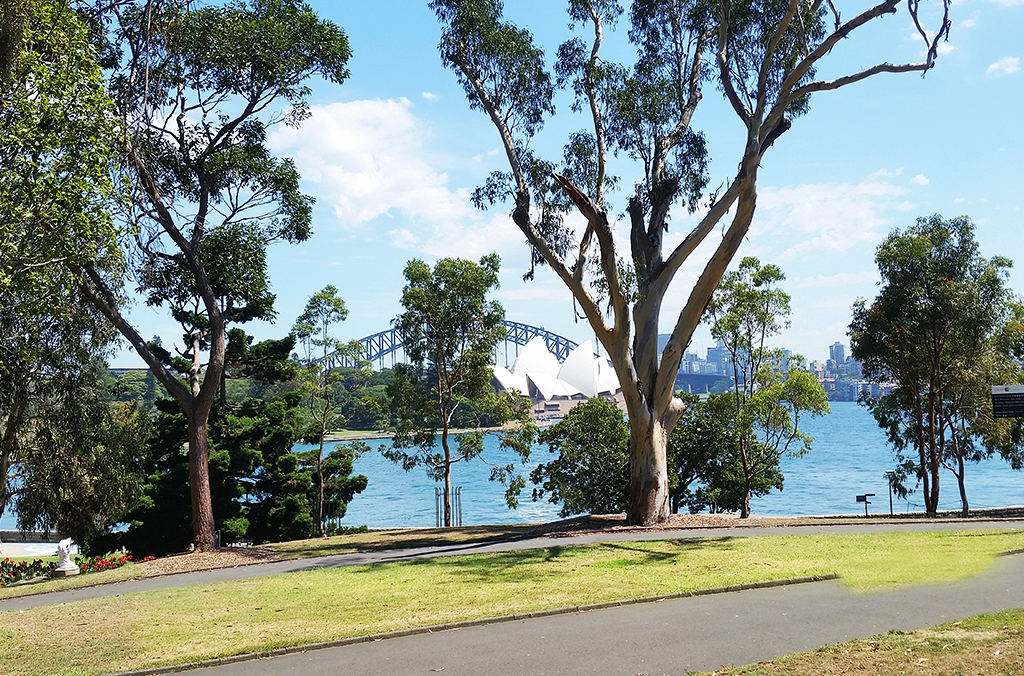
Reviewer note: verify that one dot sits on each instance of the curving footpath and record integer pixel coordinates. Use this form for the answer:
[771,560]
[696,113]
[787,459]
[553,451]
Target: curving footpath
[666,637]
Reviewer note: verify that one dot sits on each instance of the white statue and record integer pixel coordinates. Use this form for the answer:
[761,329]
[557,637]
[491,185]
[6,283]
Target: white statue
[65,566]
[64,552]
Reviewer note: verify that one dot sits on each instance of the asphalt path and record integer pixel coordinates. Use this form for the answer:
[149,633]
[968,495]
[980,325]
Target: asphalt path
[457,549]
[665,637]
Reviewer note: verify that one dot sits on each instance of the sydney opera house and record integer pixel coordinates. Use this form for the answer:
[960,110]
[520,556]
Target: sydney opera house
[555,387]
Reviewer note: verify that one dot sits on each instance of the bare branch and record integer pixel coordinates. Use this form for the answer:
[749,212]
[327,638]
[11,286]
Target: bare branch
[769,53]
[723,64]
[99,295]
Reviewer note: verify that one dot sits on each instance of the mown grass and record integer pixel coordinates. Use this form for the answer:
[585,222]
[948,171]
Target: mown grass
[985,644]
[397,539]
[377,540]
[194,623]
[129,571]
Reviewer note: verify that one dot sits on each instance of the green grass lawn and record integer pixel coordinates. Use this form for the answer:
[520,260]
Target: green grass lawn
[193,623]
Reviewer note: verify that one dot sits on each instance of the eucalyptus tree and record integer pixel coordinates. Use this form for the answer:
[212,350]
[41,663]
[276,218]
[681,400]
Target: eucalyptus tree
[769,397]
[762,56]
[196,89]
[314,327]
[449,331]
[943,328]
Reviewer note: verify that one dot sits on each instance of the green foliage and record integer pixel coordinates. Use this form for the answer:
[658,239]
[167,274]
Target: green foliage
[449,330]
[944,328]
[57,136]
[197,88]
[699,449]
[262,491]
[591,473]
[84,469]
[66,457]
[766,403]
[320,383]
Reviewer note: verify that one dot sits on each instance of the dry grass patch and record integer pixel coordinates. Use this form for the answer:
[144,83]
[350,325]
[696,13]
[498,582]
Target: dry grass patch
[981,645]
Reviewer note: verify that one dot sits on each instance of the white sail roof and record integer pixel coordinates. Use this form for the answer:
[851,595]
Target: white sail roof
[547,386]
[580,369]
[510,381]
[535,358]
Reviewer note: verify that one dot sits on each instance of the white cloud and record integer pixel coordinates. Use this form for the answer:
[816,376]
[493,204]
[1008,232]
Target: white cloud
[971,22]
[959,200]
[464,238]
[840,279]
[886,173]
[477,159]
[430,96]
[1004,66]
[1009,3]
[825,219]
[367,158]
[945,48]
[920,179]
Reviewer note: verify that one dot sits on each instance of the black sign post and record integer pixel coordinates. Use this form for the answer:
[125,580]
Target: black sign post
[1008,401]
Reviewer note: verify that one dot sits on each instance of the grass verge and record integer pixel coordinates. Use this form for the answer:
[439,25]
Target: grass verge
[128,571]
[398,539]
[984,644]
[187,624]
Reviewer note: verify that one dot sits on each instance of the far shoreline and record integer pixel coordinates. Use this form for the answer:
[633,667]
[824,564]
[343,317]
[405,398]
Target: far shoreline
[364,435]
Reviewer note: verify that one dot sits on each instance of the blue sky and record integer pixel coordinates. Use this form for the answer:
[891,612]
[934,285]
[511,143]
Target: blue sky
[392,154]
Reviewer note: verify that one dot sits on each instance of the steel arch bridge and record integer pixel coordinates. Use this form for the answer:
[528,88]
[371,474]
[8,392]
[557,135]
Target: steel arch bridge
[389,343]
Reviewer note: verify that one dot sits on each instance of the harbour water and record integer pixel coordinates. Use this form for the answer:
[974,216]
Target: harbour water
[849,457]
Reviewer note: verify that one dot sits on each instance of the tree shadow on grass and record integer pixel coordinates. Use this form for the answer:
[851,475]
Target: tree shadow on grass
[532,565]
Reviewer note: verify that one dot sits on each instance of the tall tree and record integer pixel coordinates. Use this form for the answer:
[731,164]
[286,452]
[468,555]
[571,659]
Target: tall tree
[56,147]
[746,309]
[81,470]
[197,89]
[938,330]
[319,381]
[763,57]
[449,330]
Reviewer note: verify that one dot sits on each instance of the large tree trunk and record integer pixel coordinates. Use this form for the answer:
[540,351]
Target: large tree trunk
[199,481]
[648,473]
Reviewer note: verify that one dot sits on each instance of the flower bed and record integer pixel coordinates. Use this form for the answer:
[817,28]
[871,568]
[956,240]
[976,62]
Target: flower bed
[16,571]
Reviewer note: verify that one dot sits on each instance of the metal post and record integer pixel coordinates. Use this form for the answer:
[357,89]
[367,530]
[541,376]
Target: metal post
[438,506]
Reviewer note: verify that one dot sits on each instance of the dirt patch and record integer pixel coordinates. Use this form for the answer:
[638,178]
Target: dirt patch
[616,523]
[225,557]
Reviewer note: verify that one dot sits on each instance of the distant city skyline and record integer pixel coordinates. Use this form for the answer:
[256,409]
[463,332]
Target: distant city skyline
[393,154]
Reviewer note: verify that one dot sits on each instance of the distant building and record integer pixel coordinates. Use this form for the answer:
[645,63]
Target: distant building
[555,388]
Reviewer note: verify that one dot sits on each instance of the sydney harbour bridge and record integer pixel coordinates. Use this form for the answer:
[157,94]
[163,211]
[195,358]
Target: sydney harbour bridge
[385,349]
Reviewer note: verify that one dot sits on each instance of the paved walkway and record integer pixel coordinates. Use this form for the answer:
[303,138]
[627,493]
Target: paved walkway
[669,637]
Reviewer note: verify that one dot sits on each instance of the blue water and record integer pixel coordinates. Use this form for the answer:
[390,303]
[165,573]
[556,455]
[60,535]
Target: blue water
[849,457]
